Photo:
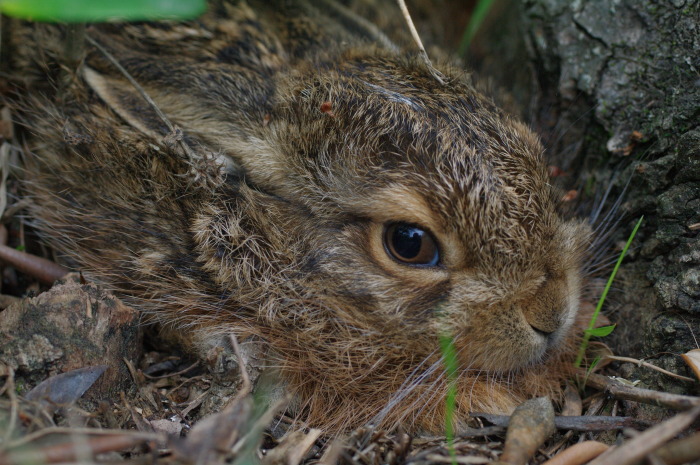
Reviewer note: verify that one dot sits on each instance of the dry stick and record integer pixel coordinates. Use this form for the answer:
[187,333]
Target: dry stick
[169,375]
[190,153]
[646,364]
[146,436]
[576,423]
[578,454]
[638,447]
[246,387]
[621,391]
[40,268]
[292,448]
[71,451]
[407,16]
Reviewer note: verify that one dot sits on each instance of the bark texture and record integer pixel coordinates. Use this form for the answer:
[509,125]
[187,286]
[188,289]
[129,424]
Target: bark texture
[618,99]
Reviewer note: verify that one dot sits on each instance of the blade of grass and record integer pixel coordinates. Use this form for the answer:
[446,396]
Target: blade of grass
[594,318]
[477,18]
[449,356]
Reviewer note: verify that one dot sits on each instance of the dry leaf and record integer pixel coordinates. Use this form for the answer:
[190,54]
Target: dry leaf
[692,358]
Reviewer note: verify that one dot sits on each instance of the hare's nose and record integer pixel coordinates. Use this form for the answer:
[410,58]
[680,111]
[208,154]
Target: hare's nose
[542,331]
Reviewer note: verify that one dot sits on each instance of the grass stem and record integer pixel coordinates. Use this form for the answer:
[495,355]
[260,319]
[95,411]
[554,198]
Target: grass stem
[594,318]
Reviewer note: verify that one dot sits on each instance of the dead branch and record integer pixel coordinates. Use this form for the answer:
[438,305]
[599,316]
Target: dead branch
[576,423]
[619,390]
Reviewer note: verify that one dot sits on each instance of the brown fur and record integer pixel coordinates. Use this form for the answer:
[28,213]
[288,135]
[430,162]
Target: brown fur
[288,246]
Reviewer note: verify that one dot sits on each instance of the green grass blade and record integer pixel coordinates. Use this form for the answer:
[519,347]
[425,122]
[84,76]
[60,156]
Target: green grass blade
[477,18]
[102,10]
[449,356]
[594,318]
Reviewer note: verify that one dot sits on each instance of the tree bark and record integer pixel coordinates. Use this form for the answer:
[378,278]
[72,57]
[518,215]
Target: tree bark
[617,98]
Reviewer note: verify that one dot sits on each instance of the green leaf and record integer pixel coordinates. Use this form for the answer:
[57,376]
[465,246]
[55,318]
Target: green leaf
[601,332]
[101,10]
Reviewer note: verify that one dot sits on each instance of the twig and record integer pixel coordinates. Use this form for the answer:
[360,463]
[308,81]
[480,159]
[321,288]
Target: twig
[87,431]
[648,441]
[40,268]
[194,403]
[71,451]
[421,50]
[576,423]
[168,375]
[141,423]
[246,387]
[648,365]
[618,390]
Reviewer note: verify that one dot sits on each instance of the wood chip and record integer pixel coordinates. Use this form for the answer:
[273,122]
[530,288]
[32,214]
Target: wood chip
[692,358]
[573,405]
[529,427]
[578,453]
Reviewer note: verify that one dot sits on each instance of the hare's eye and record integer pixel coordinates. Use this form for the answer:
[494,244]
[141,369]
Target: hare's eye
[410,244]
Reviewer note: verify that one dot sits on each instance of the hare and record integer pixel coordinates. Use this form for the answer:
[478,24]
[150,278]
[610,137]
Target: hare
[319,190]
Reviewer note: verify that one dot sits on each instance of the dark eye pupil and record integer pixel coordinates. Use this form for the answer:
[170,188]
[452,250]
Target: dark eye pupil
[407,241]
[410,244]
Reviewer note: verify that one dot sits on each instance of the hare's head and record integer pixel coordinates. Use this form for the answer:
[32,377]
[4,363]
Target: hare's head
[425,211]
[430,210]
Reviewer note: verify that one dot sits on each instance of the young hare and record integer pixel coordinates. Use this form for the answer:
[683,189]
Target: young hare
[323,192]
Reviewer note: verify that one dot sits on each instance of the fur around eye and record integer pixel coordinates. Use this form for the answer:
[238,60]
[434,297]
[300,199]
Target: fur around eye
[410,244]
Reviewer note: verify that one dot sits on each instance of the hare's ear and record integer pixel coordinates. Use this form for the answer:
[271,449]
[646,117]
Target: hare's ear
[122,97]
